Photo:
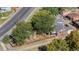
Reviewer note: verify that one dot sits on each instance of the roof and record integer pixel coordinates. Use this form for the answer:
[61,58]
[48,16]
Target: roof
[65,13]
[59,27]
[59,23]
[70,27]
[4,9]
[74,16]
[77,22]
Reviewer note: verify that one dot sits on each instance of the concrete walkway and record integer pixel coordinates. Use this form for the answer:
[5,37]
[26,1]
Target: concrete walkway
[3,46]
[28,19]
[31,46]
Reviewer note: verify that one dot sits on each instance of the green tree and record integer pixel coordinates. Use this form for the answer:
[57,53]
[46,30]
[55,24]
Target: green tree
[58,45]
[21,32]
[42,22]
[6,39]
[53,10]
[73,40]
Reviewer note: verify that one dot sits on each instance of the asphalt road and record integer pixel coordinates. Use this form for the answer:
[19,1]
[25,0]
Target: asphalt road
[21,15]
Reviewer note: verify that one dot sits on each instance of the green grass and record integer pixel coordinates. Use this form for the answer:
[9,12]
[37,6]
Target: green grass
[5,14]
[2,20]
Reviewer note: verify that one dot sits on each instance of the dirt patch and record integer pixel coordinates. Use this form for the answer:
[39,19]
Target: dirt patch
[36,38]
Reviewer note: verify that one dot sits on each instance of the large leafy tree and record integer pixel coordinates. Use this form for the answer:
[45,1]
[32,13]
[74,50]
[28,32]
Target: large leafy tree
[73,40]
[21,32]
[42,22]
[58,45]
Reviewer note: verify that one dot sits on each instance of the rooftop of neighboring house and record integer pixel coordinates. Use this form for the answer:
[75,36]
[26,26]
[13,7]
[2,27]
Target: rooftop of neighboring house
[77,22]
[67,11]
[4,9]
[74,16]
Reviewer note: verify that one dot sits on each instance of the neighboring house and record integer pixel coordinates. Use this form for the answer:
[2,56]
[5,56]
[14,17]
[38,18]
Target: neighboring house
[4,9]
[73,16]
[76,23]
[65,13]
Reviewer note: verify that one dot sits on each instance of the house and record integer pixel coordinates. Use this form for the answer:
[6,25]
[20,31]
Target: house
[73,16]
[65,13]
[61,28]
[4,9]
[76,23]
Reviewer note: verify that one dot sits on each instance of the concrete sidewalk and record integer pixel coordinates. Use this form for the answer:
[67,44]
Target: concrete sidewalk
[30,46]
[28,19]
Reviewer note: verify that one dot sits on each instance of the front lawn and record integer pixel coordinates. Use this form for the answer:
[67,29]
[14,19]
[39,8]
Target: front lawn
[4,16]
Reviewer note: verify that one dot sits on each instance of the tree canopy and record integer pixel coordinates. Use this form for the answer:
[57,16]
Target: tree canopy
[53,10]
[73,40]
[58,45]
[42,21]
[21,32]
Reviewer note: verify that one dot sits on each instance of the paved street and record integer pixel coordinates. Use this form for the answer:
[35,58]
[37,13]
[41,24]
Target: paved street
[21,15]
